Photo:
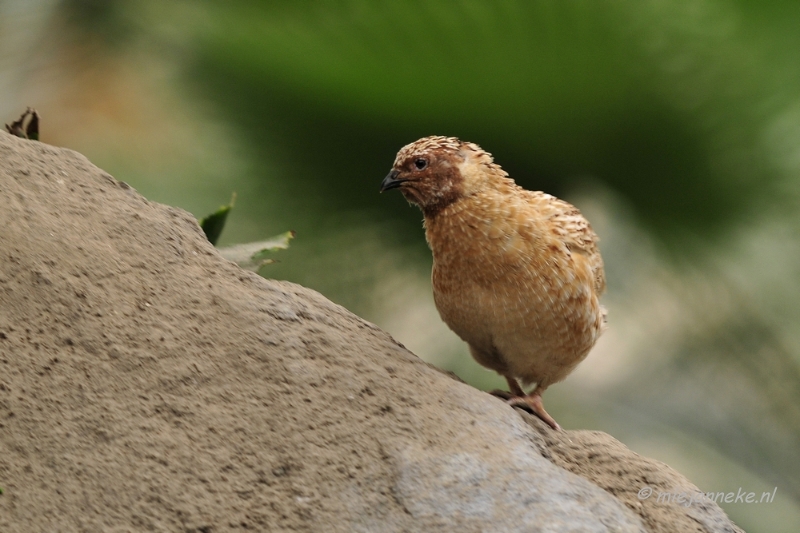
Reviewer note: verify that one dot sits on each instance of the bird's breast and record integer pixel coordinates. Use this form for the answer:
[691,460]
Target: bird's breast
[497,276]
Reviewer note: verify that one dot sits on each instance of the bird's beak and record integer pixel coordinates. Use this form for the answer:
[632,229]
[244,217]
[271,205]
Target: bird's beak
[391,181]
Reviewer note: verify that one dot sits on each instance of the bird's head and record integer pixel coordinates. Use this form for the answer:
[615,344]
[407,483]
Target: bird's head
[435,172]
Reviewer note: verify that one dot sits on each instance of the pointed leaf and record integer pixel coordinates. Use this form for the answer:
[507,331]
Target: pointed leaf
[214,223]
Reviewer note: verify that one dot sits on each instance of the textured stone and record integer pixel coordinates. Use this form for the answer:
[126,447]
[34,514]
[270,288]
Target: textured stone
[146,384]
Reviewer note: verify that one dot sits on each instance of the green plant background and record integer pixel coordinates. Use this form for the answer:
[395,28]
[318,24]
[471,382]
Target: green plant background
[675,126]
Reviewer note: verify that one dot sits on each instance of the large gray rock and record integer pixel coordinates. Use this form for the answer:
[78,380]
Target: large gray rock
[147,384]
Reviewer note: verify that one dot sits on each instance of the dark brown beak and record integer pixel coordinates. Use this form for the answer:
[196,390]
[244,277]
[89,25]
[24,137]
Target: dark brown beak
[392,181]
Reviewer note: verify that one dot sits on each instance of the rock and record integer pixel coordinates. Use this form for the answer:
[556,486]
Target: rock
[148,384]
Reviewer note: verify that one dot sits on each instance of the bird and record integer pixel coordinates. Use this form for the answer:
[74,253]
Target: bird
[517,274]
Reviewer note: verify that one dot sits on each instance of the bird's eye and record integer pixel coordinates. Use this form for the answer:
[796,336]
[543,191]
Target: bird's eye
[420,164]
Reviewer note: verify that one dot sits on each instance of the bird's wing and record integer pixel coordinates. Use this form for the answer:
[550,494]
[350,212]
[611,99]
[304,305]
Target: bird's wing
[570,227]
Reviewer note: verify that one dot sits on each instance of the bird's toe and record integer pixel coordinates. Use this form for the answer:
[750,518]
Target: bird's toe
[533,404]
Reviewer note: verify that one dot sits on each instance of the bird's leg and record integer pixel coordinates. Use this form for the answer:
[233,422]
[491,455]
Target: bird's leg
[514,388]
[533,401]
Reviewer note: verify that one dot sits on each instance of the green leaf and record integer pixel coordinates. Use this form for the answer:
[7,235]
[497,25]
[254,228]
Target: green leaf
[213,224]
[254,255]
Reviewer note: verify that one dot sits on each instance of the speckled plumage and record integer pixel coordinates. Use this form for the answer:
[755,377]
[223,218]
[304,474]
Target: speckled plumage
[516,274]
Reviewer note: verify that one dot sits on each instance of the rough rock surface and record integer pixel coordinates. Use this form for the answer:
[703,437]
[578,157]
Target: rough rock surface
[146,384]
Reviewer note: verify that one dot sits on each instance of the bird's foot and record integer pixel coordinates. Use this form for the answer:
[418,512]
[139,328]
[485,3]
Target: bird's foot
[533,402]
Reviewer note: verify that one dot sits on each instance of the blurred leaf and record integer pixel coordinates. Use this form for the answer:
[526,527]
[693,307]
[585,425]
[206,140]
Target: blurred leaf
[32,129]
[253,255]
[214,223]
[25,131]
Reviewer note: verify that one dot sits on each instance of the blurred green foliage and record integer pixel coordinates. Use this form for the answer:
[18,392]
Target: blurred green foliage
[559,91]
[655,100]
